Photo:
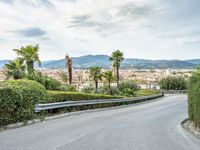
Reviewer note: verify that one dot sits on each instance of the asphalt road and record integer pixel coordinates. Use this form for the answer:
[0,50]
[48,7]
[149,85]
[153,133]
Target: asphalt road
[150,126]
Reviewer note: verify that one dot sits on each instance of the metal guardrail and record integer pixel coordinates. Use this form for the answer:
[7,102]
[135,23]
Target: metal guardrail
[48,106]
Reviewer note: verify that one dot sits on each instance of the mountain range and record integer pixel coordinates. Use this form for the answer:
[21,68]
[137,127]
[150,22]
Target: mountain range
[103,61]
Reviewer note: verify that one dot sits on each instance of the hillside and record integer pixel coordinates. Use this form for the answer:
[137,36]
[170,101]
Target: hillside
[102,60]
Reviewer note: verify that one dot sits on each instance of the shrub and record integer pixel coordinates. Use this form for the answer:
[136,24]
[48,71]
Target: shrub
[128,88]
[88,89]
[48,82]
[102,90]
[105,90]
[68,88]
[18,98]
[173,83]
[194,98]
[128,84]
[60,96]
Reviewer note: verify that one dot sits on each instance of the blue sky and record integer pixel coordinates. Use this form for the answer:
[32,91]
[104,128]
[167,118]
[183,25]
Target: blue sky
[149,29]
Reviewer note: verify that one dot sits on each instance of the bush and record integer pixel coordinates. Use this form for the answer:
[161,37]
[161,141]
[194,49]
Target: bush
[18,98]
[173,83]
[48,82]
[60,96]
[105,90]
[194,98]
[128,88]
[88,89]
[68,88]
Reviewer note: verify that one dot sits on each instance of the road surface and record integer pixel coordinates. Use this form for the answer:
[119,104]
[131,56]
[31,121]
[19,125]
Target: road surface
[150,126]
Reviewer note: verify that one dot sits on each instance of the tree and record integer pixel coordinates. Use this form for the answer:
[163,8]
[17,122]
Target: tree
[69,68]
[108,75]
[29,55]
[95,74]
[173,83]
[117,57]
[15,69]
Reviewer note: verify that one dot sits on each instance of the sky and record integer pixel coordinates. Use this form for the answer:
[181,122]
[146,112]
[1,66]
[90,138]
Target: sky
[147,29]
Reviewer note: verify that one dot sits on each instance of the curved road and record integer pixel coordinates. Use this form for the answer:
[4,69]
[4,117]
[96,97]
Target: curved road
[150,126]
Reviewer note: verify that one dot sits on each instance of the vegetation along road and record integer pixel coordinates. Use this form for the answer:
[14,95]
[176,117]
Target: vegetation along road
[150,126]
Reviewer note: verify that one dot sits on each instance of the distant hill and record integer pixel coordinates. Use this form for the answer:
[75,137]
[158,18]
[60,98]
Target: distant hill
[3,62]
[159,64]
[80,62]
[102,60]
[194,61]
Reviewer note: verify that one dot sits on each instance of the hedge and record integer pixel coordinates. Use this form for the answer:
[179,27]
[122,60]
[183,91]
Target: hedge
[18,98]
[194,99]
[60,96]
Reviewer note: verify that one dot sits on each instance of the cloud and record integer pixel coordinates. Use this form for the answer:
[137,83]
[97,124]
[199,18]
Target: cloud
[44,38]
[32,3]
[112,19]
[192,41]
[47,3]
[180,34]
[81,21]
[7,1]
[89,21]
[2,40]
[31,32]
[133,10]
[39,3]
[68,0]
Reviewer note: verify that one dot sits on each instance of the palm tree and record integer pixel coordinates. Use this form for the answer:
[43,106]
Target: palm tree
[95,74]
[108,75]
[15,69]
[117,57]
[29,55]
[69,68]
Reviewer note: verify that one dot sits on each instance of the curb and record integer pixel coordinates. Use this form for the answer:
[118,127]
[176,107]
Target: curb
[188,129]
[48,118]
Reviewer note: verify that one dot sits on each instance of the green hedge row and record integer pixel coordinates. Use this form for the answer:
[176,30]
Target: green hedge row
[18,98]
[194,98]
[60,96]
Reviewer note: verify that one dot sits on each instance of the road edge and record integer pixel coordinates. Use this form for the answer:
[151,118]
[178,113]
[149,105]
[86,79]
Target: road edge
[187,124]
